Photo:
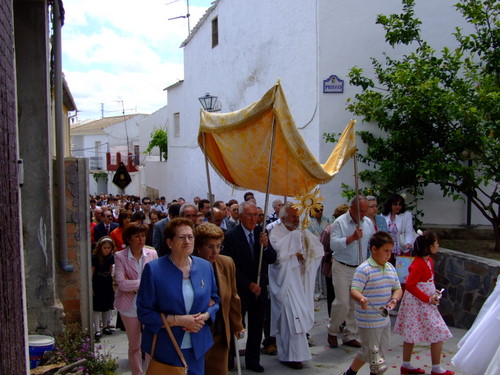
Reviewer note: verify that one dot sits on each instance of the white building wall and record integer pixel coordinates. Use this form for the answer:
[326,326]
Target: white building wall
[349,37]
[124,135]
[156,120]
[300,43]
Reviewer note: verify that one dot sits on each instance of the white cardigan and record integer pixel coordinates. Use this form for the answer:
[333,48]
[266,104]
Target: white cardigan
[404,223]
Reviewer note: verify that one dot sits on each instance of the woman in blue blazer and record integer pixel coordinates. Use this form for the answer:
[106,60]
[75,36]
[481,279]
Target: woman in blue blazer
[183,287]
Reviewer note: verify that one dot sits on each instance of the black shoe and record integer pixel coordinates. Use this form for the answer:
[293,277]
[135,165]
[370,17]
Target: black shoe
[332,341]
[255,368]
[97,336]
[107,331]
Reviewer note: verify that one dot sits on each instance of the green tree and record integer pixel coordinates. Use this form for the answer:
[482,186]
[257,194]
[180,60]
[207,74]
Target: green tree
[439,111]
[159,138]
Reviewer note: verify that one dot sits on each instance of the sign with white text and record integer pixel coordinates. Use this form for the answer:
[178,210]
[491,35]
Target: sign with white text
[333,85]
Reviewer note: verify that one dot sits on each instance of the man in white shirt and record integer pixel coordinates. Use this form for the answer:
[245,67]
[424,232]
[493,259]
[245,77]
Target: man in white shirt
[348,254]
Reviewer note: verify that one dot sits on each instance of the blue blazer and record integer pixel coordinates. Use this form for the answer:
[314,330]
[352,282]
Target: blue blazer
[161,291]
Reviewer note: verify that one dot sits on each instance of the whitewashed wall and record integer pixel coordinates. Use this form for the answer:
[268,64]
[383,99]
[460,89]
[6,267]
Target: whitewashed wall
[84,145]
[300,43]
[156,120]
[349,37]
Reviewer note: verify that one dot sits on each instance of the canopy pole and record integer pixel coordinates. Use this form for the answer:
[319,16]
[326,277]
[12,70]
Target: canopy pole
[208,178]
[356,190]
[273,137]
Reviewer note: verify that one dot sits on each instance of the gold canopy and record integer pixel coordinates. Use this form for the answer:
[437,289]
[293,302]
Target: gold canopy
[238,146]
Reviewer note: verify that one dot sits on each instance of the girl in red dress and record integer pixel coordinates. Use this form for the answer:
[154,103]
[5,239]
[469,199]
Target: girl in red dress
[418,318]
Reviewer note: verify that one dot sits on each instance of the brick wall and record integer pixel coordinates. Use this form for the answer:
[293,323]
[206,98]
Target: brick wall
[73,288]
[12,334]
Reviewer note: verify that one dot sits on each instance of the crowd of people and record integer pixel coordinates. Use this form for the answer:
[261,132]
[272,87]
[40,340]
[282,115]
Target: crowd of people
[217,272]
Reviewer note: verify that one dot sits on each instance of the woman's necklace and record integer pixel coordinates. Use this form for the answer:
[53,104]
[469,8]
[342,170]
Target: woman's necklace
[185,268]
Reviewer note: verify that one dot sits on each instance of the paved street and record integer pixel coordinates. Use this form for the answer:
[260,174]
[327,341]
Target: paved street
[325,359]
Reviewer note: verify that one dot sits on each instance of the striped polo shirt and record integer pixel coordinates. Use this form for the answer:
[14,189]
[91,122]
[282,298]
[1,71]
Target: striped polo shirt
[376,283]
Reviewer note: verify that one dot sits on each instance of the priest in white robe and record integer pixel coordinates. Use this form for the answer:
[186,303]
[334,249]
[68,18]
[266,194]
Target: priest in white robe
[291,285]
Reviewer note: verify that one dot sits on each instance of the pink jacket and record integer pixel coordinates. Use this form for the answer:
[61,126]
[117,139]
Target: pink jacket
[127,277]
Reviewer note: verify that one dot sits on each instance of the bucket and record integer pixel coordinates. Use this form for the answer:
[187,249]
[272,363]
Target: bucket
[39,344]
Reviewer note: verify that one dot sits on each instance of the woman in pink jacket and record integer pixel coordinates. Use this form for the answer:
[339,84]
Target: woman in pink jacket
[129,265]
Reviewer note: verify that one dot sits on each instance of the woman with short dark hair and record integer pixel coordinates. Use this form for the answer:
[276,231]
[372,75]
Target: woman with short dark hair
[400,225]
[129,265]
[182,287]
[116,235]
[208,244]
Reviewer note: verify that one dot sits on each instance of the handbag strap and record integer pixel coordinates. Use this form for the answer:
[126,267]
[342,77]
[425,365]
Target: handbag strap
[174,341]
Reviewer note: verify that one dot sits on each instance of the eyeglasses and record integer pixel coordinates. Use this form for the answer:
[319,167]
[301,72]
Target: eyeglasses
[215,247]
[373,206]
[147,203]
[108,216]
[261,215]
[184,238]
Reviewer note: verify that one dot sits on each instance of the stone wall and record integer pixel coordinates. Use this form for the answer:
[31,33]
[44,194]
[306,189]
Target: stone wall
[468,281]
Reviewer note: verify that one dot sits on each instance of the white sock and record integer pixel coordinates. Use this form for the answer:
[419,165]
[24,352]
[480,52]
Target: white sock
[408,365]
[438,369]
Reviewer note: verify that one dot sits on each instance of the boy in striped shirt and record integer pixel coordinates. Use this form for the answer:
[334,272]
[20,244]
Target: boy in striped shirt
[375,284]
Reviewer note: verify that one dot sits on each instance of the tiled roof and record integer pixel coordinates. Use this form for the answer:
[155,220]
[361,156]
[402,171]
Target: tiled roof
[97,126]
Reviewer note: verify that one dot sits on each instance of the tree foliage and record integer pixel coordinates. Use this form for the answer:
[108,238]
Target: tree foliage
[159,138]
[439,110]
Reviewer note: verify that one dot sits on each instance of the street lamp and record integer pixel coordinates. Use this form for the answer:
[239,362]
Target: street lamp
[209,103]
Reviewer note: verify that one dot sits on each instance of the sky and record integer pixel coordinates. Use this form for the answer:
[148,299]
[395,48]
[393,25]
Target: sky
[121,54]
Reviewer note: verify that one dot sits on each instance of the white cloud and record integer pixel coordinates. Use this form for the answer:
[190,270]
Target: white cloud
[124,50]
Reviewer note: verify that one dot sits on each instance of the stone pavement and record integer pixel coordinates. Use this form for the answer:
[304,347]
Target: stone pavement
[325,360]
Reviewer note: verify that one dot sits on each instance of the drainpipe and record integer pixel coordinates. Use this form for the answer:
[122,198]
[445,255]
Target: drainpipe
[58,103]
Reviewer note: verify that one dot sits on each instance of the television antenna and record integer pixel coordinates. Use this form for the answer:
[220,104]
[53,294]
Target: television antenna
[185,16]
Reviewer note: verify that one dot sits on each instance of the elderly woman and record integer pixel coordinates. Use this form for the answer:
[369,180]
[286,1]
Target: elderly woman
[400,225]
[117,234]
[129,265]
[378,220]
[182,287]
[208,244]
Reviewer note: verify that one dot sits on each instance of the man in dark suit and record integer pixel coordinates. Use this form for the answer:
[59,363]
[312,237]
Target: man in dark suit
[242,243]
[105,227]
[159,242]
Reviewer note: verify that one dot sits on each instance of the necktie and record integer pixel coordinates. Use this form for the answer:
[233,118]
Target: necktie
[251,242]
[107,228]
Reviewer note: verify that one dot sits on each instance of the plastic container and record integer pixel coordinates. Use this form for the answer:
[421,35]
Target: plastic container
[39,344]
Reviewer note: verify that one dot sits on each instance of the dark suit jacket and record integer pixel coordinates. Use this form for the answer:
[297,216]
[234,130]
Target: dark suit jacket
[159,242]
[100,230]
[229,223]
[236,246]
